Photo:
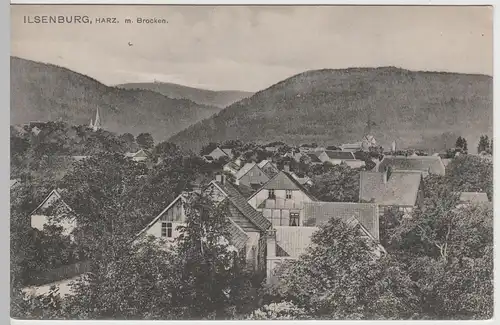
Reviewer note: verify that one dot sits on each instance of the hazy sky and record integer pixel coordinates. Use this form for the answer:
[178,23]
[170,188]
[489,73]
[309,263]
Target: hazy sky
[251,48]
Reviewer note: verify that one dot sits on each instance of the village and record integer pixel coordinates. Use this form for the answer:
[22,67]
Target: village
[273,213]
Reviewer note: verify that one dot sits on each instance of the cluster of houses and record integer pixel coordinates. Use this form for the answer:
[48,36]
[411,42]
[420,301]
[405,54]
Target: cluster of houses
[273,215]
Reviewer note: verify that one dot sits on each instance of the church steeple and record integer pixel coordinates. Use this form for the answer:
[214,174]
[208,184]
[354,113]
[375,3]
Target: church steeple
[97,121]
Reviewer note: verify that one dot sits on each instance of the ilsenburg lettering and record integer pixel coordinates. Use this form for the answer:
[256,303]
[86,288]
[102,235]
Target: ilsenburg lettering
[57,19]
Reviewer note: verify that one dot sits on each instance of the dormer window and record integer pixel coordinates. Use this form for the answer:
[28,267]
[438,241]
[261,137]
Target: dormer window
[272,195]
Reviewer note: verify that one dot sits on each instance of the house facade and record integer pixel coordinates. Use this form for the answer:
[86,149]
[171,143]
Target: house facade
[281,200]
[251,175]
[288,243]
[218,153]
[247,227]
[138,156]
[54,211]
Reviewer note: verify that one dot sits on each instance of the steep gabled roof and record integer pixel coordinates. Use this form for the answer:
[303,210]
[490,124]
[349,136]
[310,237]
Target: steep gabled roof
[55,193]
[430,164]
[244,170]
[284,181]
[240,202]
[314,157]
[182,197]
[401,188]
[316,213]
[341,155]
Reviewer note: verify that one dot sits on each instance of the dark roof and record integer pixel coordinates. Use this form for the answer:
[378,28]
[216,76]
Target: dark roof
[366,214]
[238,236]
[430,164]
[240,202]
[342,155]
[401,188]
[314,158]
[246,191]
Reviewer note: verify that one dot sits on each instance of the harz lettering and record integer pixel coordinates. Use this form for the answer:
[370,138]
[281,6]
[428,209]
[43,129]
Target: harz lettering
[106,20]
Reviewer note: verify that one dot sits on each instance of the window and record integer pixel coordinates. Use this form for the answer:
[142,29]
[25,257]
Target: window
[288,194]
[271,194]
[166,229]
[294,219]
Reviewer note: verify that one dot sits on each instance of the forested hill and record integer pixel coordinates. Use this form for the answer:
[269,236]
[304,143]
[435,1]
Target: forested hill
[45,92]
[220,99]
[428,110]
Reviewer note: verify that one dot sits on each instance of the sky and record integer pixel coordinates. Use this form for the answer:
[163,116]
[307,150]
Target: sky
[252,48]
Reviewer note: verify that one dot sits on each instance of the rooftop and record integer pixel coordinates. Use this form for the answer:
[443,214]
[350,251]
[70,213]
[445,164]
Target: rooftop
[401,188]
[430,164]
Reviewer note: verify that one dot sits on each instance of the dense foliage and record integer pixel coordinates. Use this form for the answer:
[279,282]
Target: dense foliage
[439,263]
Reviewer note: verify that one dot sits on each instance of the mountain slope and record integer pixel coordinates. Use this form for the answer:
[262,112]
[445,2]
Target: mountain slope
[422,109]
[201,96]
[44,92]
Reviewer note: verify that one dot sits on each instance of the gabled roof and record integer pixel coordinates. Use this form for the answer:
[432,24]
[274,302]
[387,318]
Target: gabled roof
[244,170]
[430,164]
[240,202]
[473,197]
[401,188]
[263,163]
[227,151]
[314,157]
[342,155]
[13,182]
[316,213]
[284,181]
[58,197]
[182,197]
[352,145]
[140,152]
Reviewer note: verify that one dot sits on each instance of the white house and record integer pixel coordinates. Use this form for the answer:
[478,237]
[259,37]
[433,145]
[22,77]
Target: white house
[54,211]
[140,155]
[281,200]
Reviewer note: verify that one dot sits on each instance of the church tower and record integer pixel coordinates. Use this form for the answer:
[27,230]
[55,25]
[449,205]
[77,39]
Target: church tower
[97,122]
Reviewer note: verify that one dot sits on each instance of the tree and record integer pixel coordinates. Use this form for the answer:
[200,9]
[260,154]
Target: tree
[211,272]
[279,311]
[336,183]
[444,247]
[461,144]
[484,144]
[145,140]
[340,277]
[469,173]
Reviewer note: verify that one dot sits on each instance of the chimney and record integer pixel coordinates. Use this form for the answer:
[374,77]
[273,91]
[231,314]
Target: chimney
[219,178]
[286,168]
[271,243]
[387,174]
[236,181]
[393,147]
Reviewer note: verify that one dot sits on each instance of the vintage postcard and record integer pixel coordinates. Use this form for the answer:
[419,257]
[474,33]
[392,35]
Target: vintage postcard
[251,162]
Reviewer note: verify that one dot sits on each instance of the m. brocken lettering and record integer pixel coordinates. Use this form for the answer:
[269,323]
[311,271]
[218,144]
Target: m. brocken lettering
[59,19]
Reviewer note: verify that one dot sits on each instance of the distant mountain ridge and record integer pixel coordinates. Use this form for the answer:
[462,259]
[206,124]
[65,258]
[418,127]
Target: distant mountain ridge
[428,110]
[46,92]
[221,98]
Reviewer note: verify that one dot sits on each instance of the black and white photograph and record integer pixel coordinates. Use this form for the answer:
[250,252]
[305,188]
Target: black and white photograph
[244,162]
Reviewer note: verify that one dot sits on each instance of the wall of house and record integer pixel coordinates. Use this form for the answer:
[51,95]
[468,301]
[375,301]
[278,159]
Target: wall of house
[252,249]
[155,230]
[254,176]
[39,220]
[278,211]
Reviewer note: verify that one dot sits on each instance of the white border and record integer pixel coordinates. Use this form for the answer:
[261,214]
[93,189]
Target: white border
[496,93]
